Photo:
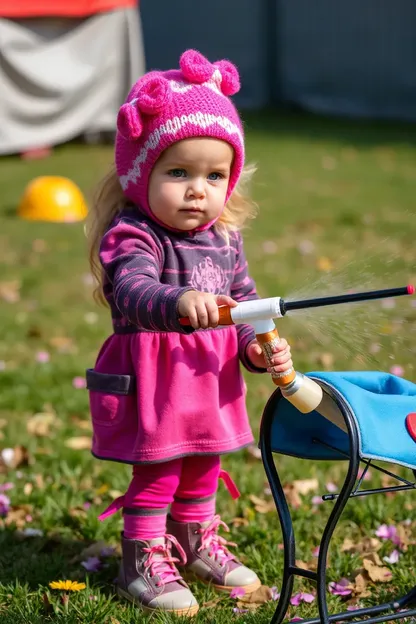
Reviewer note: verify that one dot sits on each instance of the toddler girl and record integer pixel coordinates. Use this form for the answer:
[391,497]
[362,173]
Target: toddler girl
[165,397]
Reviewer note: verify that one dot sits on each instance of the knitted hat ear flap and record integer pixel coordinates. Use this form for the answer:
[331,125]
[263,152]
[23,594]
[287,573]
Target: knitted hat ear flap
[129,123]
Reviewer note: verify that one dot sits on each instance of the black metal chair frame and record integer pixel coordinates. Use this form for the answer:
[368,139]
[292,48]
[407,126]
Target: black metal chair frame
[380,613]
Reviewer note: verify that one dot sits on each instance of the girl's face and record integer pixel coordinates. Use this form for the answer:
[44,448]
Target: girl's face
[189,182]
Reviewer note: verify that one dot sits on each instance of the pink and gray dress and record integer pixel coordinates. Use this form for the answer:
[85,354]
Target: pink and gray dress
[160,390]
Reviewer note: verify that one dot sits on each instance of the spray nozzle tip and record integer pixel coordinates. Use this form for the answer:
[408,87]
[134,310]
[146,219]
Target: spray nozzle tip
[410,289]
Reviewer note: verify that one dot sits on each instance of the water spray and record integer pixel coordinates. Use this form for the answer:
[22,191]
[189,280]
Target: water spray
[304,393]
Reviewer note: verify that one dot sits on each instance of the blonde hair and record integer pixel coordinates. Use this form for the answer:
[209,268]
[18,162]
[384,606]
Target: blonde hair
[109,200]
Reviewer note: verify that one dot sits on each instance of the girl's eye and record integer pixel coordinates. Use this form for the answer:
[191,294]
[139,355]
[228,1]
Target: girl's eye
[177,173]
[215,176]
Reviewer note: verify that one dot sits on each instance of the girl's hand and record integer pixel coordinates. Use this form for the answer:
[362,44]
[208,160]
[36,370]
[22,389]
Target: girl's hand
[281,359]
[202,308]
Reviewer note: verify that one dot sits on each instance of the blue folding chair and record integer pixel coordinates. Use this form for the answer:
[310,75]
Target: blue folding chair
[379,414]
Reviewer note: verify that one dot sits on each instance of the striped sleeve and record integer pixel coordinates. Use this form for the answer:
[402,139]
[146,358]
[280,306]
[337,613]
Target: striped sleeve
[244,289]
[132,258]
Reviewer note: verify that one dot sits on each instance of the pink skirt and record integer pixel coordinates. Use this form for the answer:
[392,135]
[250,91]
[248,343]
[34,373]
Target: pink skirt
[181,394]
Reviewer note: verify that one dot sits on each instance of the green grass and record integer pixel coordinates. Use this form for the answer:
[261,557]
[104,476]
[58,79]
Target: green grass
[336,211]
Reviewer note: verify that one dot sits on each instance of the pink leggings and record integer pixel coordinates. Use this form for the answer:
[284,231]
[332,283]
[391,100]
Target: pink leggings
[187,484]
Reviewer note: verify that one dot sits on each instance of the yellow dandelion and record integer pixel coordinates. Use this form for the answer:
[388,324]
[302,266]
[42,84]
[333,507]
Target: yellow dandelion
[67,585]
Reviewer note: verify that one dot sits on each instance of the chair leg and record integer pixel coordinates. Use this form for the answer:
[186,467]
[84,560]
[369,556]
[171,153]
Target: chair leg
[287,530]
[350,479]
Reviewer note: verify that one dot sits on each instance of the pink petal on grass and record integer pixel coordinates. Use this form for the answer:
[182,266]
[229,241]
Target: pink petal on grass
[92,564]
[269,247]
[331,487]
[79,383]
[315,552]
[340,588]
[4,504]
[302,597]
[239,611]
[296,619]
[367,476]
[237,592]
[386,531]
[397,370]
[317,500]
[4,487]
[393,557]
[42,357]
[353,608]
[275,593]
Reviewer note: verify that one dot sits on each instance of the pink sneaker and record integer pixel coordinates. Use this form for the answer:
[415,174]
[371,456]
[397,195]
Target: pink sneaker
[149,577]
[208,558]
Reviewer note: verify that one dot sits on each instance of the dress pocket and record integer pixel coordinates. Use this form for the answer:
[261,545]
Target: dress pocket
[112,397]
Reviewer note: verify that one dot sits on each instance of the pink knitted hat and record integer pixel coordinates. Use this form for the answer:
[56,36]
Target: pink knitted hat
[165,107]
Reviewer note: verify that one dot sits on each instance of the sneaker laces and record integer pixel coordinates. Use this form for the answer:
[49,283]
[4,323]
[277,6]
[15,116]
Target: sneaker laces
[161,562]
[214,543]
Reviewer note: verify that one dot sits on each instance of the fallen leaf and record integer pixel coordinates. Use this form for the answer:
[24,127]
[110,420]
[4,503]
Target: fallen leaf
[262,506]
[327,360]
[12,458]
[304,486]
[94,550]
[301,564]
[28,489]
[237,522]
[378,574]
[115,493]
[324,264]
[63,344]
[211,603]
[17,515]
[359,587]
[39,424]
[81,423]
[292,496]
[10,291]
[79,443]
[260,596]
[366,545]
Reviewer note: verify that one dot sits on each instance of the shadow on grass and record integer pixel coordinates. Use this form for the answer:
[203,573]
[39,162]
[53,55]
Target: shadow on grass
[35,561]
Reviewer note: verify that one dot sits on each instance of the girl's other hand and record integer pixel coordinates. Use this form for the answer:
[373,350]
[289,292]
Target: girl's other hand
[281,359]
[202,308]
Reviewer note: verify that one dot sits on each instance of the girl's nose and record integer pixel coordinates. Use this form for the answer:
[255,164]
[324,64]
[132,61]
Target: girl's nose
[196,188]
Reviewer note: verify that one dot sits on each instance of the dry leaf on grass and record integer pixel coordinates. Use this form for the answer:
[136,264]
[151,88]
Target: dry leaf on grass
[254,600]
[12,458]
[377,573]
[211,603]
[292,496]
[17,515]
[10,291]
[237,522]
[63,344]
[262,506]
[366,545]
[359,587]
[304,486]
[40,424]
[81,423]
[79,443]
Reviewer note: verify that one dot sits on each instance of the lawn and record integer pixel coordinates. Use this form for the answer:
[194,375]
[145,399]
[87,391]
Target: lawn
[337,211]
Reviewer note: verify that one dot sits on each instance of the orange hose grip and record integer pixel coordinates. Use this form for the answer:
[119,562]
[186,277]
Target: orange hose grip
[267,342]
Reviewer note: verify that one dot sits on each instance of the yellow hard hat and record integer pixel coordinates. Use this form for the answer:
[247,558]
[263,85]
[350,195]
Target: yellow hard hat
[52,198]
